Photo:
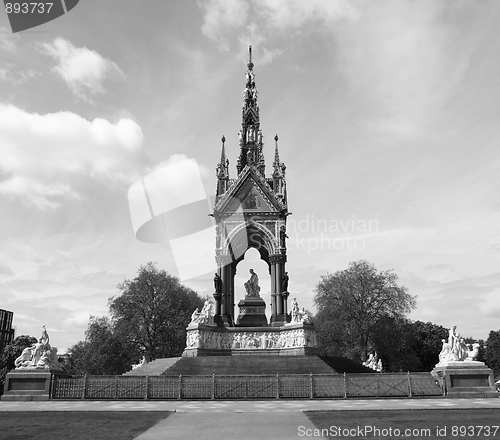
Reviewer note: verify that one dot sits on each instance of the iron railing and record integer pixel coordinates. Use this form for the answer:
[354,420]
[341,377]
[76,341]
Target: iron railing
[287,386]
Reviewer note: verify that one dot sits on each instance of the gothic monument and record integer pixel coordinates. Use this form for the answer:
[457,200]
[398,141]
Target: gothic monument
[250,212]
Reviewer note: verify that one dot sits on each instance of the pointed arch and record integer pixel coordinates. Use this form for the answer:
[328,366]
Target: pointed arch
[250,234]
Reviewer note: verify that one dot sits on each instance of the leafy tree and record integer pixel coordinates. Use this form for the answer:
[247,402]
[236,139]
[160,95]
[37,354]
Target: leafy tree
[394,341]
[427,343]
[492,351]
[102,352]
[153,312]
[351,306]
[10,353]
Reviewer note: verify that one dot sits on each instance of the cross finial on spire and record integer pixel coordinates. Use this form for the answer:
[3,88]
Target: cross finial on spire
[250,64]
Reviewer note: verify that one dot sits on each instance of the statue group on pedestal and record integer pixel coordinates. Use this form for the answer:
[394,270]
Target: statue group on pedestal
[39,356]
[374,362]
[206,316]
[456,350]
[298,315]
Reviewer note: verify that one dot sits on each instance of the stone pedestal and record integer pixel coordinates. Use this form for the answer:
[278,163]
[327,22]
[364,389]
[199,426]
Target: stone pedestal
[252,313]
[465,379]
[298,339]
[27,385]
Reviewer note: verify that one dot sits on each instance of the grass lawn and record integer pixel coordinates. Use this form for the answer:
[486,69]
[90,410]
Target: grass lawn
[77,425]
[420,423]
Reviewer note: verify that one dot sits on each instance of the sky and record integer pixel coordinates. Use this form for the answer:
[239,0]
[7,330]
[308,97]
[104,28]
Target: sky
[387,114]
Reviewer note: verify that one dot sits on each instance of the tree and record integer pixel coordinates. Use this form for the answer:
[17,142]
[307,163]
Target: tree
[394,341]
[492,351]
[153,312]
[351,304]
[102,352]
[428,343]
[10,353]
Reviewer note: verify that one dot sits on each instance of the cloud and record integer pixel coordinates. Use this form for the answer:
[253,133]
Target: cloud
[255,21]
[17,77]
[84,70]
[205,173]
[223,16]
[395,56]
[6,270]
[284,15]
[7,40]
[43,155]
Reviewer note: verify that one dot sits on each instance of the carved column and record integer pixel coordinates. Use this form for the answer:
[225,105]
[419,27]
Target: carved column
[273,290]
[277,270]
[223,276]
[279,297]
[218,293]
[230,306]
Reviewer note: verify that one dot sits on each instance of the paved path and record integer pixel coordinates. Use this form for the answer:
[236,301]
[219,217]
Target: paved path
[248,406]
[242,420]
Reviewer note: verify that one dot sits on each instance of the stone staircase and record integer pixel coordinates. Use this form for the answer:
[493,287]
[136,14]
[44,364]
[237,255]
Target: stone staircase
[154,368]
[248,365]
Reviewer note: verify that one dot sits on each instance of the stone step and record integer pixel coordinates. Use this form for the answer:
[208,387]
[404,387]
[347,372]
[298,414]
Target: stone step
[154,368]
[249,365]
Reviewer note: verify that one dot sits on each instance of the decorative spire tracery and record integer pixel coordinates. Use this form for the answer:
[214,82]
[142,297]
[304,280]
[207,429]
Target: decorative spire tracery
[250,135]
[222,170]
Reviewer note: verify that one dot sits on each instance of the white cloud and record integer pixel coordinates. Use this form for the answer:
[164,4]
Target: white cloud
[396,56]
[223,16]
[42,155]
[7,39]
[176,158]
[17,77]
[253,22]
[83,69]
[292,14]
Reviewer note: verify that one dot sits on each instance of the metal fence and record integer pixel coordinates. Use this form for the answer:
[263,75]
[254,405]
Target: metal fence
[286,386]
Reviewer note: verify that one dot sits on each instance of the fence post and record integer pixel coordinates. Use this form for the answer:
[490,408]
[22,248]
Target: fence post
[147,388]
[116,387]
[345,386]
[312,385]
[180,386]
[84,386]
[277,386]
[213,386]
[52,385]
[409,385]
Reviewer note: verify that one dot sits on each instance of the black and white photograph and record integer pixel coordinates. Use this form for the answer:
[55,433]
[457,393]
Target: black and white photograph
[250,219]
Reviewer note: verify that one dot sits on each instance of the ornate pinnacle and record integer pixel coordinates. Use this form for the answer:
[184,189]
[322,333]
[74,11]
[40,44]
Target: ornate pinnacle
[276,154]
[250,64]
[223,153]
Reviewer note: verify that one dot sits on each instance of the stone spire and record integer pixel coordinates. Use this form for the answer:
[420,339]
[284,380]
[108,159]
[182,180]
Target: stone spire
[222,170]
[250,135]
[276,163]
[279,184]
[223,152]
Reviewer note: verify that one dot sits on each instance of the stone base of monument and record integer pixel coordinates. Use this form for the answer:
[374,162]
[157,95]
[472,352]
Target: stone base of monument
[296,339]
[27,385]
[252,313]
[466,379]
